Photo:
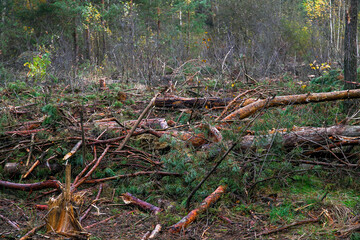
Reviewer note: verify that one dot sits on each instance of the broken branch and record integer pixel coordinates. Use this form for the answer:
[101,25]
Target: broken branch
[130,199]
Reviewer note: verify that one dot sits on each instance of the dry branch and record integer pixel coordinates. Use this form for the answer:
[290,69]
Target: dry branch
[130,199]
[107,219]
[132,175]
[288,226]
[91,206]
[11,223]
[290,100]
[142,115]
[212,198]
[73,150]
[80,181]
[32,232]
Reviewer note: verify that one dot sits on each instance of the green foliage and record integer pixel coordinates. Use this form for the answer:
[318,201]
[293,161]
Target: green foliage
[52,113]
[283,212]
[329,81]
[118,104]
[38,67]
[17,86]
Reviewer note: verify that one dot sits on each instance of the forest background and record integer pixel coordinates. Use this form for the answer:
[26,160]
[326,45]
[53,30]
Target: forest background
[145,40]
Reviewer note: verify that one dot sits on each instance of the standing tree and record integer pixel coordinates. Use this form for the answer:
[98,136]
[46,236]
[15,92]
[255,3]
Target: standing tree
[350,53]
[350,58]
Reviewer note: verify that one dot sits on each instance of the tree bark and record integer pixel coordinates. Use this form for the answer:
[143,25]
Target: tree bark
[350,52]
[309,136]
[350,60]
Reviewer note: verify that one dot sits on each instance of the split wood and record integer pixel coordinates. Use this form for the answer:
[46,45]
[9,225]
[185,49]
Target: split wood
[212,198]
[130,199]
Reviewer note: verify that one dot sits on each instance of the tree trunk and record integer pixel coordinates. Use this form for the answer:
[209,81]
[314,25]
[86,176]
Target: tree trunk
[350,60]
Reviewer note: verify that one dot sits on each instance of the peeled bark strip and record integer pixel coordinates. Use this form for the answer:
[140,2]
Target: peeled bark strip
[31,186]
[212,198]
[130,199]
[303,135]
[250,109]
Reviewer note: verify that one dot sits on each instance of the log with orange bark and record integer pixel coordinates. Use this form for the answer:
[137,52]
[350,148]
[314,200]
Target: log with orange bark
[187,220]
[249,109]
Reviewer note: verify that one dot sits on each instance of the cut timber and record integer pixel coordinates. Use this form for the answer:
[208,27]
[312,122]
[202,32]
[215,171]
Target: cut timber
[254,107]
[130,199]
[302,135]
[212,198]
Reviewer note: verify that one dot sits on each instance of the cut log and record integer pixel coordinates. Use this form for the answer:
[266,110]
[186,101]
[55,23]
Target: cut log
[130,199]
[310,136]
[254,107]
[212,198]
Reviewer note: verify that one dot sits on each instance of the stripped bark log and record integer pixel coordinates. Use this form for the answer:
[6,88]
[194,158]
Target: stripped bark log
[188,219]
[130,199]
[250,109]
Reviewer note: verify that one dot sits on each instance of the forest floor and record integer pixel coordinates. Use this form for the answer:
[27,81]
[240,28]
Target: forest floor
[268,195]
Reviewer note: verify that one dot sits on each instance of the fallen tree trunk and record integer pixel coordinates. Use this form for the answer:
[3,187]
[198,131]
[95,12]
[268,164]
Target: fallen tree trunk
[181,102]
[251,108]
[31,186]
[310,136]
[212,198]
